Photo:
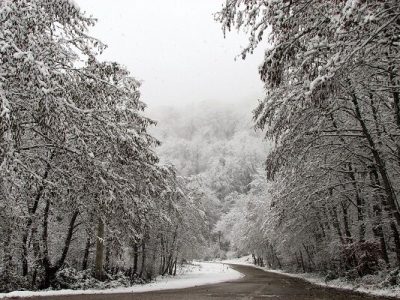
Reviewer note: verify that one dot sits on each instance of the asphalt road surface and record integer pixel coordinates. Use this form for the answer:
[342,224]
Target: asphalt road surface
[256,284]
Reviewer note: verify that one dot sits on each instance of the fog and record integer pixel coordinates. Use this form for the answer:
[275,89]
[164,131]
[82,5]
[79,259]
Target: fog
[101,194]
[177,50]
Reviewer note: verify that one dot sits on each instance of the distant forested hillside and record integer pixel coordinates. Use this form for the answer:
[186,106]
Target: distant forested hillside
[216,146]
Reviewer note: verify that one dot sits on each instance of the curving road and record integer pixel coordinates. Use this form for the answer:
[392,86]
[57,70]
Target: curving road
[256,284]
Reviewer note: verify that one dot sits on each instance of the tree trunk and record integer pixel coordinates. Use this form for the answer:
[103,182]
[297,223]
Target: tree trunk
[302,262]
[50,269]
[347,232]
[108,266]
[387,185]
[99,274]
[31,212]
[395,92]
[360,205]
[393,227]
[135,258]
[310,259]
[336,225]
[396,238]
[254,259]
[7,259]
[163,255]
[86,254]
[143,265]
[175,263]
[377,224]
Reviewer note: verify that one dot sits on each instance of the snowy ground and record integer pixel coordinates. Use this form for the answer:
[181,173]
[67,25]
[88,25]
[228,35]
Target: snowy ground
[371,288]
[200,273]
[244,261]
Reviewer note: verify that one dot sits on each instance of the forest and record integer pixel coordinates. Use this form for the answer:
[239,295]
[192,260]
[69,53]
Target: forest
[95,191]
[82,188]
[328,199]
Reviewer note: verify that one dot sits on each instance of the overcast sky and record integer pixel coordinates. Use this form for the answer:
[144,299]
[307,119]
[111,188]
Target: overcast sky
[176,49]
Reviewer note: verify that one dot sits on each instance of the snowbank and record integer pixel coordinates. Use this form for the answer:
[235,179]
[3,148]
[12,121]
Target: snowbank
[342,284]
[244,261]
[200,273]
[320,281]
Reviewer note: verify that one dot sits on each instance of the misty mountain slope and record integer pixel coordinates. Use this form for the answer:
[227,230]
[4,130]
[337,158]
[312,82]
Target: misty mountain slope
[198,137]
[216,146]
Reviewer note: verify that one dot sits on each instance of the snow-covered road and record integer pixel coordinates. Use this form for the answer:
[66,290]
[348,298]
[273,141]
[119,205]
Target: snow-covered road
[200,273]
[257,284]
[319,280]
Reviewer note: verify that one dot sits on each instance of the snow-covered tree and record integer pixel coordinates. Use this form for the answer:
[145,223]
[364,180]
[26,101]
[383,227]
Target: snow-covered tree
[331,107]
[77,164]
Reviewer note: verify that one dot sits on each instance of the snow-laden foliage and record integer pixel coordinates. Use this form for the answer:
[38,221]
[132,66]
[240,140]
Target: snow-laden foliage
[78,167]
[216,148]
[332,108]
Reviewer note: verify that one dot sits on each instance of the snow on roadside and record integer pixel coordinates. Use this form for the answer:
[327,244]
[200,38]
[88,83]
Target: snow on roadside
[201,273]
[244,261]
[320,281]
[341,284]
